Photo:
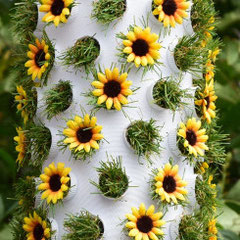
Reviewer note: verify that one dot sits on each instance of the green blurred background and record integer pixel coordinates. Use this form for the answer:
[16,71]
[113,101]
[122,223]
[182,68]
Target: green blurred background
[228,90]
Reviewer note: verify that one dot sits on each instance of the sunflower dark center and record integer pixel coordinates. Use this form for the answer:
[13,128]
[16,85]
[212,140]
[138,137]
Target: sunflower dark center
[84,135]
[169,7]
[38,232]
[140,47]
[144,224]
[55,182]
[57,7]
[191,137]
[208,101]
[112,88]
[40,58]
[169,184]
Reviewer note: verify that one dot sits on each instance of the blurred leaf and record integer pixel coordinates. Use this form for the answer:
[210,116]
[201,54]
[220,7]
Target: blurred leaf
[229,219]
[1,209]
[232,52]
[234,193]
[8,161]
[228,235]
[227,93]
[5,233]
[234,205]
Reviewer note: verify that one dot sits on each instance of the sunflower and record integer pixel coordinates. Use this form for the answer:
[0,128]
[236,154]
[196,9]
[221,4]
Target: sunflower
[194,137]
[36,227]
[203,167]
[141,46]
[209,70]
[212,229]
[169,185]
[112,88]
[57,10]
[55,182]
[207,33]
[170,12]
[83,134]
[21,99]
[206,102]
[145,224]
[212,185]
[21,147]
[39,59]
[213,54]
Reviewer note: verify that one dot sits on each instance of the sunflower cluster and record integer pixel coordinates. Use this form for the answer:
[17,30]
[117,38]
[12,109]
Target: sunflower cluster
[139,48]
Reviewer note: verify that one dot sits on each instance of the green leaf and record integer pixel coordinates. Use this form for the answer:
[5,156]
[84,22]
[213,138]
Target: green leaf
[232,52]
[234,192]
[227,93]
[228,235]
[234,205]
[229,219]
[5,233]
[1,209]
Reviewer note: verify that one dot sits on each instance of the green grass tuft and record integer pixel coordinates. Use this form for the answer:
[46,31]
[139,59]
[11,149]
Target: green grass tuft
[113,181]
[216,143]
[106,11]
[24,18]
[58,99]
[206,197]
[192,227]
[167,94]
[83,226]
[201,13]
[25,191]
[38,144]
[82,54]
[144,137]
[189,55]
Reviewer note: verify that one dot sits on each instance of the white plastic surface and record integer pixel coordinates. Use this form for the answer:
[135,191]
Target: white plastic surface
[114,123]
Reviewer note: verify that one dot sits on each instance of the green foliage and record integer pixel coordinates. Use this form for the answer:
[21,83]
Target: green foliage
[167,94]
[216,143]
[83,226]
[24,18]
[58,98]
[25,191]
[106,11]
[206,197]
[193,227]
[113,181]
[144,138]
[189,55]
[202,13]
[39,141]
[83,54]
